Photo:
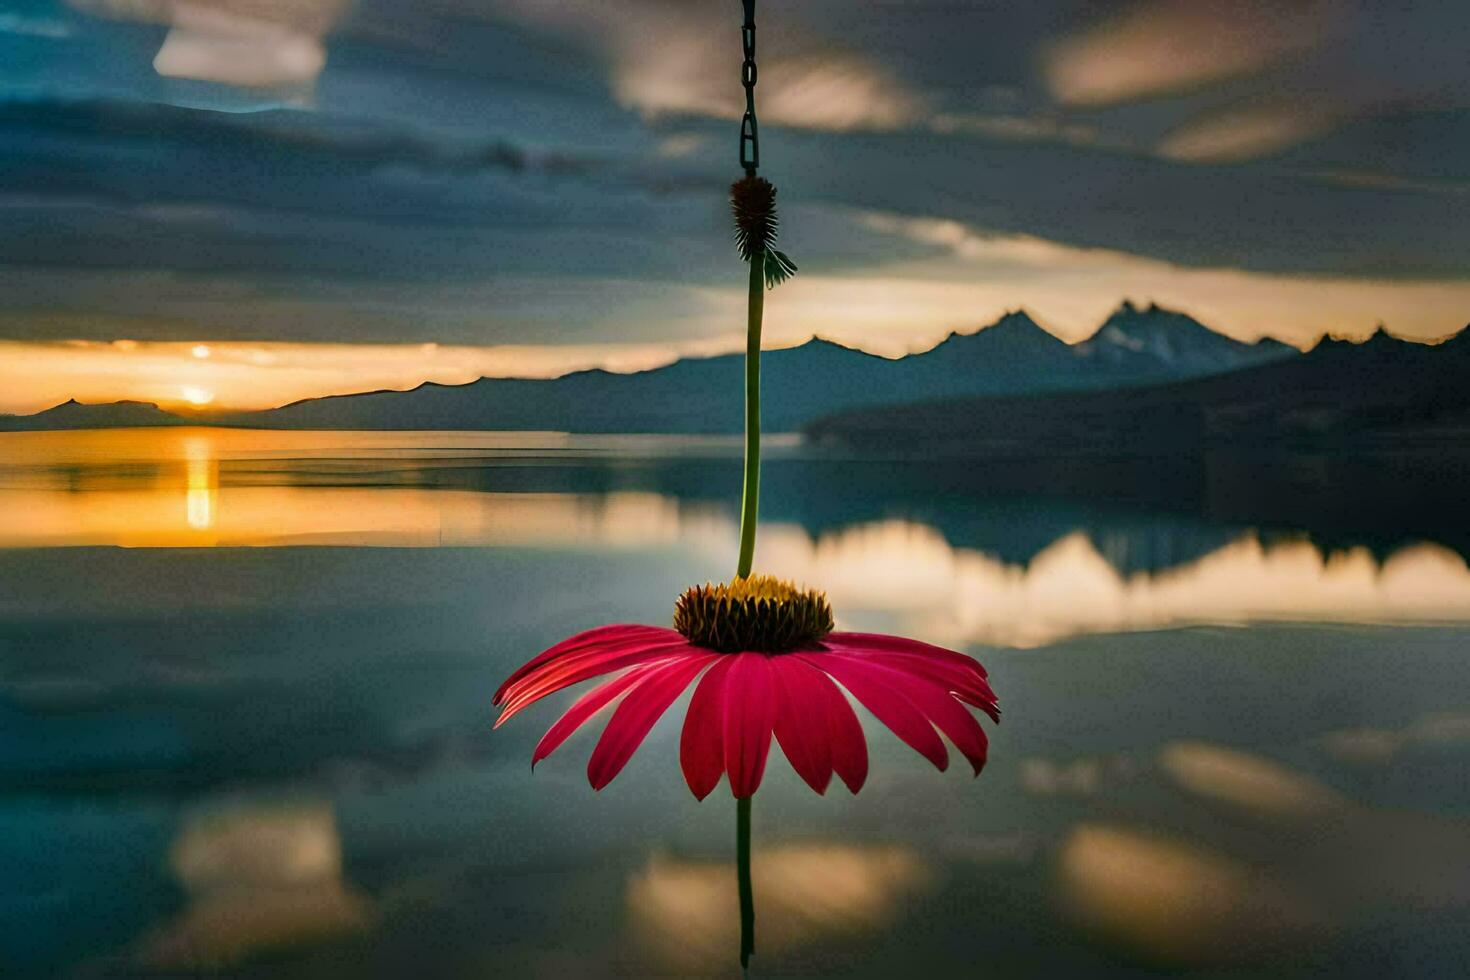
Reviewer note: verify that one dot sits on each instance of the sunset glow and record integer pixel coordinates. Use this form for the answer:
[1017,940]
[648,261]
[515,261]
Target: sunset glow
[197,396]
[973,280]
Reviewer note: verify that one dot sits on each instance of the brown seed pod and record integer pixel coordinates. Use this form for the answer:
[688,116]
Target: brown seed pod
[759,613]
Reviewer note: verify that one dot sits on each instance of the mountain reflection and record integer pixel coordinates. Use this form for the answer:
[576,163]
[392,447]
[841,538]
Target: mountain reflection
[1020,579]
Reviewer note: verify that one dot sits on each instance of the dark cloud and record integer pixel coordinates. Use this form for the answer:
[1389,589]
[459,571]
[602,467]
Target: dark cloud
[486,146]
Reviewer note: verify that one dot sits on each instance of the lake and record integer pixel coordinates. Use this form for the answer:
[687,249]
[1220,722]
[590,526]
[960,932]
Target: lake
[245,684]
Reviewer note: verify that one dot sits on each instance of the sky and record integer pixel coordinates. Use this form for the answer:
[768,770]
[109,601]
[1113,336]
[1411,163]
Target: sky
[239,203]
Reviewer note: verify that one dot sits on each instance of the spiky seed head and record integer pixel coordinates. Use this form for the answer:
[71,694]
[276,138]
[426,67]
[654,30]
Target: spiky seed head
[758,613]
[753,203]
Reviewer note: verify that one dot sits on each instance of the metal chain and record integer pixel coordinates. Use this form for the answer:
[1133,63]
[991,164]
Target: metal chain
[750,143]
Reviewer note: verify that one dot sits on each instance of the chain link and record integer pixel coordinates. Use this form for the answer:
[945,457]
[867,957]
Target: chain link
[750,143]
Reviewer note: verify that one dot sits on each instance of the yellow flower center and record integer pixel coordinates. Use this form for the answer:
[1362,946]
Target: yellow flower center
[761,613]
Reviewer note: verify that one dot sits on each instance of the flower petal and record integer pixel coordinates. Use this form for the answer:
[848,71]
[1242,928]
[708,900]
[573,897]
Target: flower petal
[801,726]
[644,704]
[601,635]
[585,707]
[701,743]
[868,684]
[849,747]
[575,668]
[943,710]
[884,643]
[959,673]
[750,711]
[962,684]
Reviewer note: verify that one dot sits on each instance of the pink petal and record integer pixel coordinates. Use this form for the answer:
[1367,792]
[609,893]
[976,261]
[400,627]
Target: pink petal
[527,678]
[585,707]
[869,685]
[883,643]
[644,705]
[701,743]
[962,684]
[941,708]
[845,732]
[959,673]
[575,668]
[802,726]
[750,711]
[615,633]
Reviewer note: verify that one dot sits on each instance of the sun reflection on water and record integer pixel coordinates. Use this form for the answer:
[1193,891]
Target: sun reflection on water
[264,489]
[202,474]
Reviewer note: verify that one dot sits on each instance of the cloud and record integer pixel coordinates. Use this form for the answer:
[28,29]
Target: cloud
[246,43]
[210,46]
[1027,128]
[669,58]
[945,276]
[1250,79]
[1245,133]
[550,173]
[1161,47]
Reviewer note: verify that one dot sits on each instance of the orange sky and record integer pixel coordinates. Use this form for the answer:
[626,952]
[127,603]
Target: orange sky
[891,309]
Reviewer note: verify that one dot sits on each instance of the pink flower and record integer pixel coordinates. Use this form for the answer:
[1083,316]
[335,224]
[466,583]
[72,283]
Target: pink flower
[746,696]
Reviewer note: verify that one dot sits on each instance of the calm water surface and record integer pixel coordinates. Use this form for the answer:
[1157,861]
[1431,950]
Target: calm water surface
[245,683]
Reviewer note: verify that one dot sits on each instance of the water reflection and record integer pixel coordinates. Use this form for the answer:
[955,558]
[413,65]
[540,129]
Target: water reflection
[1186,797]
[685,912]
[203,484]
[1178,903]
[258,877]
[206,488]
[1301,864]
[1248,782]
[1376,746]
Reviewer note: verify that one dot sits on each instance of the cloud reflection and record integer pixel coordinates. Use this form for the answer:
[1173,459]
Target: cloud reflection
[1175,902]
[1375,746]
[257,877]
[1070,589]
[686,912]
[205,488]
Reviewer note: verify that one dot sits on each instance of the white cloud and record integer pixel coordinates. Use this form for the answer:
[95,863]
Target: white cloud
[245,43]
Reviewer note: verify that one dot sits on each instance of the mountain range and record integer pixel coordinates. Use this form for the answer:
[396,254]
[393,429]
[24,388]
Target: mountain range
[1383,394]
[1135,346]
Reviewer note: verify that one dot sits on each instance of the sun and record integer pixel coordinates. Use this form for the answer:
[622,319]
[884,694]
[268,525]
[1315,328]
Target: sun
[197,396]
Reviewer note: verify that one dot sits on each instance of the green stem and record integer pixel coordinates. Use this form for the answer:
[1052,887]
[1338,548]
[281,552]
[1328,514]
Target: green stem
[750,503]
[749,513]
[742,866]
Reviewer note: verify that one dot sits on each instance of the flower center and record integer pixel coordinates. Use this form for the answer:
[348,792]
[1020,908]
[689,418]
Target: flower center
[758,613]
